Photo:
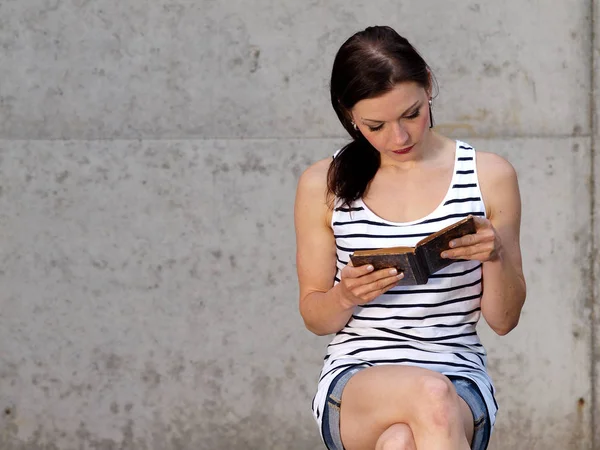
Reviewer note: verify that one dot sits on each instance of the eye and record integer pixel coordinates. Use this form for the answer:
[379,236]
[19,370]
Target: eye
[377,128]
[414,115]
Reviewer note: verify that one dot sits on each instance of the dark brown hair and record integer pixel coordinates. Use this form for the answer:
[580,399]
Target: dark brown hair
[369,64]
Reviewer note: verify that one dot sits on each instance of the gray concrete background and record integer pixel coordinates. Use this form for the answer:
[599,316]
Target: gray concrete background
[149,153]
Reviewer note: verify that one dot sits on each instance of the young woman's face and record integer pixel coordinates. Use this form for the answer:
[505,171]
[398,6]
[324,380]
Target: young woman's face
[396,122]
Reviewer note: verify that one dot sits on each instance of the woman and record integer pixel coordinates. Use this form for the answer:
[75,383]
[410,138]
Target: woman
[406,369]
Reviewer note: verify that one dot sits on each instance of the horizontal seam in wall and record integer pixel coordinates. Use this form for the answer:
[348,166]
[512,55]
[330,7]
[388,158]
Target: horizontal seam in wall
[287,138]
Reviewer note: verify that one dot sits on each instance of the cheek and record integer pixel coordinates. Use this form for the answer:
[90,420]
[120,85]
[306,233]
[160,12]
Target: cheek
[422,122]
[377,140]
[418,127]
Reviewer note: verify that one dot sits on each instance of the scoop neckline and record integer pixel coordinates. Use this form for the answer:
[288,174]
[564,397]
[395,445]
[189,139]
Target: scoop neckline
[413,222]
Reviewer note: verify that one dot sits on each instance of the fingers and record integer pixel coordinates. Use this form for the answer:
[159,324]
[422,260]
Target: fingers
[366,273]
[472,239]
[468,246]
[482,253]
[354,272]
[379,282]
[480,249]
[362,284]
[374,290]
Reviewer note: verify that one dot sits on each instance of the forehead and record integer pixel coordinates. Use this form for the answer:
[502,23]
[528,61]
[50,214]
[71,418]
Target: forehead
[391,104]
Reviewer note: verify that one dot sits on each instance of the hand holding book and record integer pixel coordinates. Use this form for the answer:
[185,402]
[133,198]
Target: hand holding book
[483,246]
[360,285]
[419,262]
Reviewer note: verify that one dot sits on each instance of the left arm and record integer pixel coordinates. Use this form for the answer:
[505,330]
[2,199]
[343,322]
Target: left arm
[497,244]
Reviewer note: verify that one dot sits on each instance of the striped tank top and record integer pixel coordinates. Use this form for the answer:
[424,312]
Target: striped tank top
[432,325]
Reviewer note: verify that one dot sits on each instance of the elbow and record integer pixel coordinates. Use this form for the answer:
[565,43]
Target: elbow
[507,325]
[504,322]
[505,328]
[315,330]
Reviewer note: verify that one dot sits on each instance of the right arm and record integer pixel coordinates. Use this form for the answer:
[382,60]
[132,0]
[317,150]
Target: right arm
[326,308]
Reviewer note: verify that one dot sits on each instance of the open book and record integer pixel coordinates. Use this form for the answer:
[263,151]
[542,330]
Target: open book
[419,262]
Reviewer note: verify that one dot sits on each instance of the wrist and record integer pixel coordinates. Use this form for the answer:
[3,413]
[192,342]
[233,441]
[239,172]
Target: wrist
[342,301]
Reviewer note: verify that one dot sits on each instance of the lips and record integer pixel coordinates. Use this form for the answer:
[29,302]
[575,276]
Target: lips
[403,150]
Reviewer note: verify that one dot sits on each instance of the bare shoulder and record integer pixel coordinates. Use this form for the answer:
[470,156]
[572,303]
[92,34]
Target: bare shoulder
[492,168]
[312,185]
[312,200]
[498,182]
[315,175]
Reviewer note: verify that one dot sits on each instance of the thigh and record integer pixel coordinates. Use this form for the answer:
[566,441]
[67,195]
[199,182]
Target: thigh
[481,423]
[378,397]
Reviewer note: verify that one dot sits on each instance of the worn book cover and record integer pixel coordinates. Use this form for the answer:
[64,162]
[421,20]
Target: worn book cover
[419,262]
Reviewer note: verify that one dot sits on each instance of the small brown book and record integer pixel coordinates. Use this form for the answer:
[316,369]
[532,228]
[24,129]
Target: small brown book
[419,262]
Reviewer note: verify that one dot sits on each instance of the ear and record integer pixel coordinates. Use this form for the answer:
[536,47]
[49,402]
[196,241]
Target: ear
[429,88]
[349,116]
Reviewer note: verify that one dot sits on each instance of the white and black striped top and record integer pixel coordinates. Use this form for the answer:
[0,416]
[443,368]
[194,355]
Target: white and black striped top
[432,325]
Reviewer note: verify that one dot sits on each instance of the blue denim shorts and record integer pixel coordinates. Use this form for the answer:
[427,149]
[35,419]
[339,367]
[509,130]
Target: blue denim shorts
[465,388]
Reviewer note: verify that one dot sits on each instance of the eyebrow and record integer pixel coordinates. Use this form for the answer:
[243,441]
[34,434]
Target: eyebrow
[382,121]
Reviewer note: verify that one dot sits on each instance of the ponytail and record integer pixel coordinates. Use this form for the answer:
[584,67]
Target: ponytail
[351,170]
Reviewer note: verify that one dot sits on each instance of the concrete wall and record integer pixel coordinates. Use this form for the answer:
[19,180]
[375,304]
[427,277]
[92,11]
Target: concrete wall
[149,154]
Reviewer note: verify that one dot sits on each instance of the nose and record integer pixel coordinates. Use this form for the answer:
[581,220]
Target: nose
[400,134]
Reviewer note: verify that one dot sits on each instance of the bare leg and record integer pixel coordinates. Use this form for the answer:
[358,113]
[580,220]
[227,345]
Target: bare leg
[397,437]
[379,397]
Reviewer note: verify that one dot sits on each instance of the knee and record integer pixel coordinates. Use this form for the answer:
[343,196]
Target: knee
[397,437]
[439,402]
